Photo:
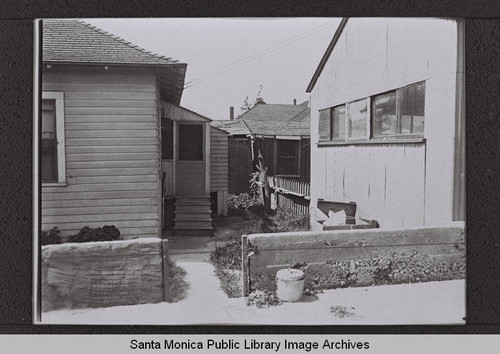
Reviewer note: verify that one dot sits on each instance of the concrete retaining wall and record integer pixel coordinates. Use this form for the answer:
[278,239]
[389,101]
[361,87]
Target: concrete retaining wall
[355,257]
[101,274]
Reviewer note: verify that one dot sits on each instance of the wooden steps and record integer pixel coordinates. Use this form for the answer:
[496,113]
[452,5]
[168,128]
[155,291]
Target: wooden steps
[193,216]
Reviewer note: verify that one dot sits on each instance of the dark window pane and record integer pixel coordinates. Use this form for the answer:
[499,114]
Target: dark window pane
[167,139]
[412,109]
[385,121]
[338,122]
[190,142]
[324,125]
[48,119]
[357,120]
[287,157]
[49,161]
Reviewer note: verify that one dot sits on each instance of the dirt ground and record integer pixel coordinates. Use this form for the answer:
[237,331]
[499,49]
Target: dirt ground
[227,227]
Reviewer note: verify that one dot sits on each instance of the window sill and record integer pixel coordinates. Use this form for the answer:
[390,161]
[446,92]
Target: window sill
[55,184]
[373,142]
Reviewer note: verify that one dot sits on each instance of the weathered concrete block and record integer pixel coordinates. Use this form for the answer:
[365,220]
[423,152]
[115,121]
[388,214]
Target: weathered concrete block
[100,274]
[350,257]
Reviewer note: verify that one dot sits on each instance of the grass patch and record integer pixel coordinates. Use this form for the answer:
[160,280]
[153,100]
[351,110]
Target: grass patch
[230,281]
[226,258]
[177,285]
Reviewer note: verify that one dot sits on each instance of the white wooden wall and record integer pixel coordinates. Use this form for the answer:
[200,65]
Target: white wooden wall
[398,184]
[219,167]
[112,151]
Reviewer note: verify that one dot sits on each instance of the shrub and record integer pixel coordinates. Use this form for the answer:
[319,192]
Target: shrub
[286,220]
[239,202]
[50,237]
[87,234]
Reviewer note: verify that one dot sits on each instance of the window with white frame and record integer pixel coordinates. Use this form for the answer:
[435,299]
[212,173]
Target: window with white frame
[399,112]
[390,115]
[52,126]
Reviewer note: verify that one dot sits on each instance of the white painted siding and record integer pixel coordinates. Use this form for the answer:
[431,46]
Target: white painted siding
[400,185]
[218,160]
[112,151]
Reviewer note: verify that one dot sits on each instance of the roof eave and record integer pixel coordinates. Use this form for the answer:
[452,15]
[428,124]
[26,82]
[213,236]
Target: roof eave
[327,54]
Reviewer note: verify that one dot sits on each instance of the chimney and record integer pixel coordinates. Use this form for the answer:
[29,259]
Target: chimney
[294,102]
[231,113]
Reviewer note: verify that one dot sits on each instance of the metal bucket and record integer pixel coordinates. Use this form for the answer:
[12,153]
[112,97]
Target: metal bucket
[290,284]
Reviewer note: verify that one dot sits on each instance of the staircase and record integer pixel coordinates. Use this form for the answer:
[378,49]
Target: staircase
[193,216]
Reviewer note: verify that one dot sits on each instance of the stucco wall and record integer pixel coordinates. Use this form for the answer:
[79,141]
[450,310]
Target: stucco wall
[101,274]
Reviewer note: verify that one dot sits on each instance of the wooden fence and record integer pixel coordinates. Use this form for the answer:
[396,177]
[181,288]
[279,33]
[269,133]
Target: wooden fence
[289,193]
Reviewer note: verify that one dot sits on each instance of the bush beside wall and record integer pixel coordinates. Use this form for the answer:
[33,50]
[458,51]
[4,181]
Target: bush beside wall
[101,274]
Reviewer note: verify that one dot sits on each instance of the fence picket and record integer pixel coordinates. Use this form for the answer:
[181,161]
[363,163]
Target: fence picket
[298,201]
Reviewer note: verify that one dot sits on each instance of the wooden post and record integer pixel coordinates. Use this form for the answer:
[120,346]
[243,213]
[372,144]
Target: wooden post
[244,265]
[165,265]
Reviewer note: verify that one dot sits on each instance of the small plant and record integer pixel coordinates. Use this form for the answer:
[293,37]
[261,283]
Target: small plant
[87,234]
[50,237]
[342,311]
[263,299]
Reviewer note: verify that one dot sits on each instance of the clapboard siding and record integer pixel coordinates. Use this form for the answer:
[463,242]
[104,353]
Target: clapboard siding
[218,160]
[112,151]
[400,185]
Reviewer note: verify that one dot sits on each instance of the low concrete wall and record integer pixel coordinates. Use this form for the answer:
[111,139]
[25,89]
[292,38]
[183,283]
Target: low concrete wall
[100,274]
[355,257]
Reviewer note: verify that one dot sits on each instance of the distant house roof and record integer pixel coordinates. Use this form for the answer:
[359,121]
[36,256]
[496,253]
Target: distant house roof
[77,42]
[258,127]
[273,112]
[233,127]
[270,120]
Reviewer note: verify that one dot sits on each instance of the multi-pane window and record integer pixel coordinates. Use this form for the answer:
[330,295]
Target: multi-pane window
[288,157]
[393,114]
[52,138]
[357,120]
[49,142]
[399,112]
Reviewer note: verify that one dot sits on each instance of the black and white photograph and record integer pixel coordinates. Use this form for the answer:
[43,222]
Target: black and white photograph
[250,171]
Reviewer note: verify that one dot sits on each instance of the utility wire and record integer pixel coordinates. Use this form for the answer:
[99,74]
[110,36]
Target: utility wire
[257,55]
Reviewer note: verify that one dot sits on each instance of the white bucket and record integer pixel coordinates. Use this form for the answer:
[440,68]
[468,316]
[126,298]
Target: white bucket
[290,284]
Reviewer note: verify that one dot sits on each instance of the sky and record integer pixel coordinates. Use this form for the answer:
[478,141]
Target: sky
[229,59]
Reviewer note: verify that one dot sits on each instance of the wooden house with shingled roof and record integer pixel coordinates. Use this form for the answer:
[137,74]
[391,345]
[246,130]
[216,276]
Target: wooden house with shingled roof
[116,146]
[280,133]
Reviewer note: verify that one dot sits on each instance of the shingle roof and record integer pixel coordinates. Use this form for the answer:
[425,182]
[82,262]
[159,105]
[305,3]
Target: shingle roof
[77,42]
[233,127]
[272,112]
[270,120]
[74,41]
[279,128]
